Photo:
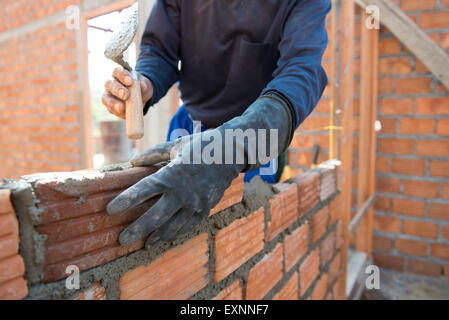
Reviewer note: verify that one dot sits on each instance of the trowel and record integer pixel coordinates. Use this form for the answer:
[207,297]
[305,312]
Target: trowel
[120,40]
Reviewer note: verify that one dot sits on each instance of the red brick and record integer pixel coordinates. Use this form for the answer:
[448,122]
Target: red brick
[390,185]
[387,224]
[443,127]
[417,126]
[232,195]
[432,148]
[388,125]
[382,243]
[417,5]
[439,168]
[413,247]
[445,232]
[408,166]
[290,290]
[393,66]
[11,268]
[409,207]
[231,292]
[439,211]
[385,85]
[334,269]
[237,243]
[320,288]
[396,106]
[336,208]
[445,190]
[14,289]
[327,248]
[59,186]
[295,245]
[382,203]
[265,275]
[434,20]
[422,189]
[389,46]
[5,204]
[424,267]
[382,164]
[177,274]
[53,272]
[9,246]
[319,223]
[308,271]
[395,146]
[8,224]
[95,292]
[421,228]
[283,209]
[440,251]
[308,192]
[432,106]
[388,261]
[328,183]
[416,85]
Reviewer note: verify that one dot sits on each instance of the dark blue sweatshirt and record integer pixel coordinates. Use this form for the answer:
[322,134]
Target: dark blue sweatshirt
[232,51]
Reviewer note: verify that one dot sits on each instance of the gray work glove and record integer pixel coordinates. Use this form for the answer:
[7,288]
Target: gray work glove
[190,185]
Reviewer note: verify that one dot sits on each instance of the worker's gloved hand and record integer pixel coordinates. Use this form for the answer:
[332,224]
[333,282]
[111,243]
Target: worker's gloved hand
[202,167]
[116,91]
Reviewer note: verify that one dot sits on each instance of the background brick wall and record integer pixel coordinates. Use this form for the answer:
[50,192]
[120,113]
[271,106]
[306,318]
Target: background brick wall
[40,122]
[268,244]
[412,167]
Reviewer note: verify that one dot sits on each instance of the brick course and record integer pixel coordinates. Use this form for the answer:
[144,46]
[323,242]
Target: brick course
[234,258]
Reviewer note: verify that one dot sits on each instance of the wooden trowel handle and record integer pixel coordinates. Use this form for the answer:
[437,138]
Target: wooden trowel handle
[134,110]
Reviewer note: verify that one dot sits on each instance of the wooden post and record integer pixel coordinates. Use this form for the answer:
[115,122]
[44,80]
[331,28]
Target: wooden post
[367,139]
[346,103]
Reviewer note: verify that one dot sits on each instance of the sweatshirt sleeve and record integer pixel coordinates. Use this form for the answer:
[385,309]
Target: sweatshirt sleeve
[299,76]
[159,50]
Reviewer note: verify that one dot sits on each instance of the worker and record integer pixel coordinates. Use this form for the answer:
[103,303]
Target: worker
[242,66]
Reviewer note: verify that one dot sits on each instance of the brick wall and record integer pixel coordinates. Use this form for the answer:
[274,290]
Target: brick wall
[261,241]
[411,220]
[40,122]
[412,210]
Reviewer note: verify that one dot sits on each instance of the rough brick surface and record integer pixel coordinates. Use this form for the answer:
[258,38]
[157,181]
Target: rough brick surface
[283,209]
[232,195]
[290,290]
[237,243]
[319,291]
[319,223]
[12,268]
[296,245]
[308,271]
[264,275]
[177,274]
[308,190]
[232,292]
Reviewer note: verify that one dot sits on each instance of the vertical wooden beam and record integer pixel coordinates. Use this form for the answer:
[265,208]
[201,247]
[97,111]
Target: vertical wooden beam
[367,140]
[333,83]
[346,103]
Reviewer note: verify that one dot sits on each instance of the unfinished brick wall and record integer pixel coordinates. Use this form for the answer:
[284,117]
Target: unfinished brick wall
[412,168]
[261,241]
[412,210]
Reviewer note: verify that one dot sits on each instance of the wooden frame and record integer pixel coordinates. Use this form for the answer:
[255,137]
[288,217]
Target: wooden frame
[347,14]
[84,74]
[367,140]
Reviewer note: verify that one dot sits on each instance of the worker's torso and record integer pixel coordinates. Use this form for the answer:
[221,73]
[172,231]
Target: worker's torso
[228,52]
